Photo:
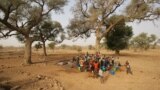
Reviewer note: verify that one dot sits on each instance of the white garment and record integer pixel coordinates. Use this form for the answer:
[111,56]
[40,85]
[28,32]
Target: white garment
[100,72]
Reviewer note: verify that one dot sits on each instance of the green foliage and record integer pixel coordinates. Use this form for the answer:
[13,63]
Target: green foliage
[90,47]
[118,38]
[51,45]
[63,46]
[143,41]
[79,49]
[143,10]
[38,46]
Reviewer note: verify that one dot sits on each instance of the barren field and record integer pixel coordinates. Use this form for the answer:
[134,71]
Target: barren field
[47,75]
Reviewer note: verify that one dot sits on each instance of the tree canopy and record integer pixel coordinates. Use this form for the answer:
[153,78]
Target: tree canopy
[92,16]
[118,38]
[21,16]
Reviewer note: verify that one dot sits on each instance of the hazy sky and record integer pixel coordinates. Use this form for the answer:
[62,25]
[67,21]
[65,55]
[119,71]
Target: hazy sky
[148,27]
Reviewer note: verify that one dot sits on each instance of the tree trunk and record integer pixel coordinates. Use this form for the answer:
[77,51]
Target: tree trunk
[44,49]
[28,51]
[98,44]
[117,52]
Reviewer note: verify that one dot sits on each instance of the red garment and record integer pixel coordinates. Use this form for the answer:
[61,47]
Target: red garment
[96,66]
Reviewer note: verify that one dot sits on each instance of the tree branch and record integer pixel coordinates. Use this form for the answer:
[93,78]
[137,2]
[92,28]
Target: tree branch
[8,34]
[84,12]
[113,10]
[110,27]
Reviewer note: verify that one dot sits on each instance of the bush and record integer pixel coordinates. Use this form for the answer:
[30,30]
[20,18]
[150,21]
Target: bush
[38,46]
[51,45]
[1,47]
[79,49]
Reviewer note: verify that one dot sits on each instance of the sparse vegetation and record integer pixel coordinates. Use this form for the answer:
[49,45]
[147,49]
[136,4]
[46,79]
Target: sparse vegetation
[1,47]
[38,46]
[143,41]
[51,45]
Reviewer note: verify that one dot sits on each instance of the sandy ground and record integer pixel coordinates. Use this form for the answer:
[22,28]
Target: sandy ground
[47,75]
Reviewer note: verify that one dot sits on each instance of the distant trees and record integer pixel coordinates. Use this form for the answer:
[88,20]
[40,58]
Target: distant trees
[118,38]
[38,46]
[51,45]
[90,47]
[63,46]
[143,41]
[79,49]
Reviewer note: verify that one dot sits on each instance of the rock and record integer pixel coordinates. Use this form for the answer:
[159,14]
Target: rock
[61,88]
[50,85]
[40,77]
[16,87]
[40,89]
[48,78]
[62,63]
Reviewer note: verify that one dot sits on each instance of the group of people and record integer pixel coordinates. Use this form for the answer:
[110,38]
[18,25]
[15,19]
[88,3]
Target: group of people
[97,64]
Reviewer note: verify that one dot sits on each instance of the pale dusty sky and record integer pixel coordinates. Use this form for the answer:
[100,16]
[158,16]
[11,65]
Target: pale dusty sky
[148,27]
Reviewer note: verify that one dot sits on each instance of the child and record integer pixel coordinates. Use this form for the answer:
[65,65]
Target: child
[81,63]
[96,67]
[128,68]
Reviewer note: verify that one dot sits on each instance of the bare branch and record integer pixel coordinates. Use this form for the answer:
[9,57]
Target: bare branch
[114,9]
[8,34]
[84,12]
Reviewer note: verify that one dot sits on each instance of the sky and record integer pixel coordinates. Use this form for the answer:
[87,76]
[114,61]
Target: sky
[147,27]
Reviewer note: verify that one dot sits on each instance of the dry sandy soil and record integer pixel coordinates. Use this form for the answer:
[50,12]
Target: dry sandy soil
[47,75]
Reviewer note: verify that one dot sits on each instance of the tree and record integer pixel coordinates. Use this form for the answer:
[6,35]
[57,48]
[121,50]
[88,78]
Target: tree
[48,30]
[90,47]
[38,46]
[91,16]
[21,16]
[143,41]
[118,38]
[1,47]
[63,46]
[51,45]
[79,49]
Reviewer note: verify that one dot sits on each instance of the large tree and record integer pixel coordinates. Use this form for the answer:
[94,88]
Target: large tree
[21,16]
[118,38]
[91,16]
[47,30]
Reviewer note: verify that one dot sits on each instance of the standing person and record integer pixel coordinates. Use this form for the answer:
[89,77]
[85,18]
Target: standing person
[91,67]
[96,68]
[112,61]
[100,73]
[81,62]
[128,68]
